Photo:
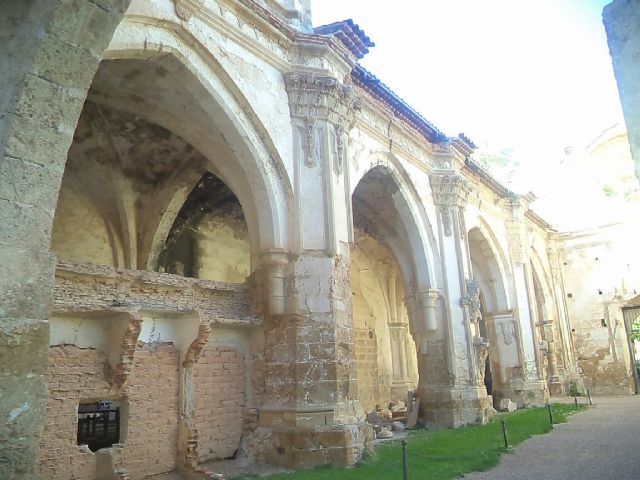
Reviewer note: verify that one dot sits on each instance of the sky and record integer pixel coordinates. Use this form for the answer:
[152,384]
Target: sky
[531,76]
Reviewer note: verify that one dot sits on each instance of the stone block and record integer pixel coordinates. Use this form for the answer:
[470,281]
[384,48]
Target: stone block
[66,64]
[309,458]
[506,405]
[84,23]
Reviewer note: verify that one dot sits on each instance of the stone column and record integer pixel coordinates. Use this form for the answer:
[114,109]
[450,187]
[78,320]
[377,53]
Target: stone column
[533,390]
[454,397]
[311,411]
[49,56]
[569,371]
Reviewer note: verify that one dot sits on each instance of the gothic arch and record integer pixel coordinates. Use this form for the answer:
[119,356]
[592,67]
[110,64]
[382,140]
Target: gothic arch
[489,265]
[255,172]
[407,232]
[541,276]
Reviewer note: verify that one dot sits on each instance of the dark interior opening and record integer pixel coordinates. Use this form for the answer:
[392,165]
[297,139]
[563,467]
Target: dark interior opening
[98,424]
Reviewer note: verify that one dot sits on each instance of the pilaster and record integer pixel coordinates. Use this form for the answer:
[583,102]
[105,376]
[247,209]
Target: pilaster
[518,241]
[311,412]
[459,397]
[322,113]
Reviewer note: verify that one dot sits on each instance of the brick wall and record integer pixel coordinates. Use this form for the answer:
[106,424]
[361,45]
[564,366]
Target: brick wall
[219,380]
[152,390]
[367,365]
[77,374]
[74,374]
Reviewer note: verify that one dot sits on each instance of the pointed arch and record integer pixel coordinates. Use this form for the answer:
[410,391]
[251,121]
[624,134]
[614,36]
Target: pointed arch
[409,230]
[253,168]
[490,267]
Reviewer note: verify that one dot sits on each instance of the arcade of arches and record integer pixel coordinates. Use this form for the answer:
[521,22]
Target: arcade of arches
[224,238]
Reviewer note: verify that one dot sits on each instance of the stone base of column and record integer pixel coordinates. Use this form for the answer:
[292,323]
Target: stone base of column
[454,407]
[305,439]
[556,388]
[573,381]
[525,394]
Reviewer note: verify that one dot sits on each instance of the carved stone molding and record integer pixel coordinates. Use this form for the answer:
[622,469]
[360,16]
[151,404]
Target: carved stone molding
[449,191]
[184,10]
[314,98]
[472,301]
[516,239]
[481,347]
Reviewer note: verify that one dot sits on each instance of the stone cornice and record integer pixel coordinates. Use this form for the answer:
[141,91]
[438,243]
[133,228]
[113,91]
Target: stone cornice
[83,288]
[258,30]
[377,119]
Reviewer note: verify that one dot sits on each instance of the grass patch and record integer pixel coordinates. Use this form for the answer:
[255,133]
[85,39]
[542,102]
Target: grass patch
[442,454]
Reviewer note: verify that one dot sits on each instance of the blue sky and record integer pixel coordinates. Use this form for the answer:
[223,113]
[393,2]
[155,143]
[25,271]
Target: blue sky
[534,76]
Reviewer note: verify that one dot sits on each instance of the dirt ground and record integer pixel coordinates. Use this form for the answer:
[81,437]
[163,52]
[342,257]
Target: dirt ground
[600,443]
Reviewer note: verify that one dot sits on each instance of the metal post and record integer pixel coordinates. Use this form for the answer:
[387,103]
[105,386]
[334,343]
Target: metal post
[576,400]
[550,414]
[405,461]
[589,396]
[504,435]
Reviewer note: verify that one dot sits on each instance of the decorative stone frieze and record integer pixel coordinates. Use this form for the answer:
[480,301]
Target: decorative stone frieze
[321,107]
[184,11]
[449,191]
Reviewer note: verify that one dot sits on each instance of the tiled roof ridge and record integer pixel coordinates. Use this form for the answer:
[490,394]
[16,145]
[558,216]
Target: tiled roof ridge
[402,109]
[350,34]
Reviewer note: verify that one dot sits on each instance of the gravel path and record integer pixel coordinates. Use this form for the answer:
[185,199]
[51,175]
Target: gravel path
[601,443]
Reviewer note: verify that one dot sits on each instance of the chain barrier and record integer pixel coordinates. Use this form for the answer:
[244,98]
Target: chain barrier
[501,445]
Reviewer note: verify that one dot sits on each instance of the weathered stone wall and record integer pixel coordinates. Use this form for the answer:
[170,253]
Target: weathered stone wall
[47,60]
[599,278]
[219,399]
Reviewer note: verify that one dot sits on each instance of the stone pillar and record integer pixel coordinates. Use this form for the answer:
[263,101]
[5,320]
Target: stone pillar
[548,349]
[310,410]
[534,390]
[50,52]
[452,396]
[567,353]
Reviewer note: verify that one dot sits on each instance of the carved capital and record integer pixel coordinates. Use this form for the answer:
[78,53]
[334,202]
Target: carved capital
[449,190]
[314,98]
[321,97]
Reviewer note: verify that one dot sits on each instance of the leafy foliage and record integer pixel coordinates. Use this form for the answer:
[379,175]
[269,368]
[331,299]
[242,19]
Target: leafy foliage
[635,330]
